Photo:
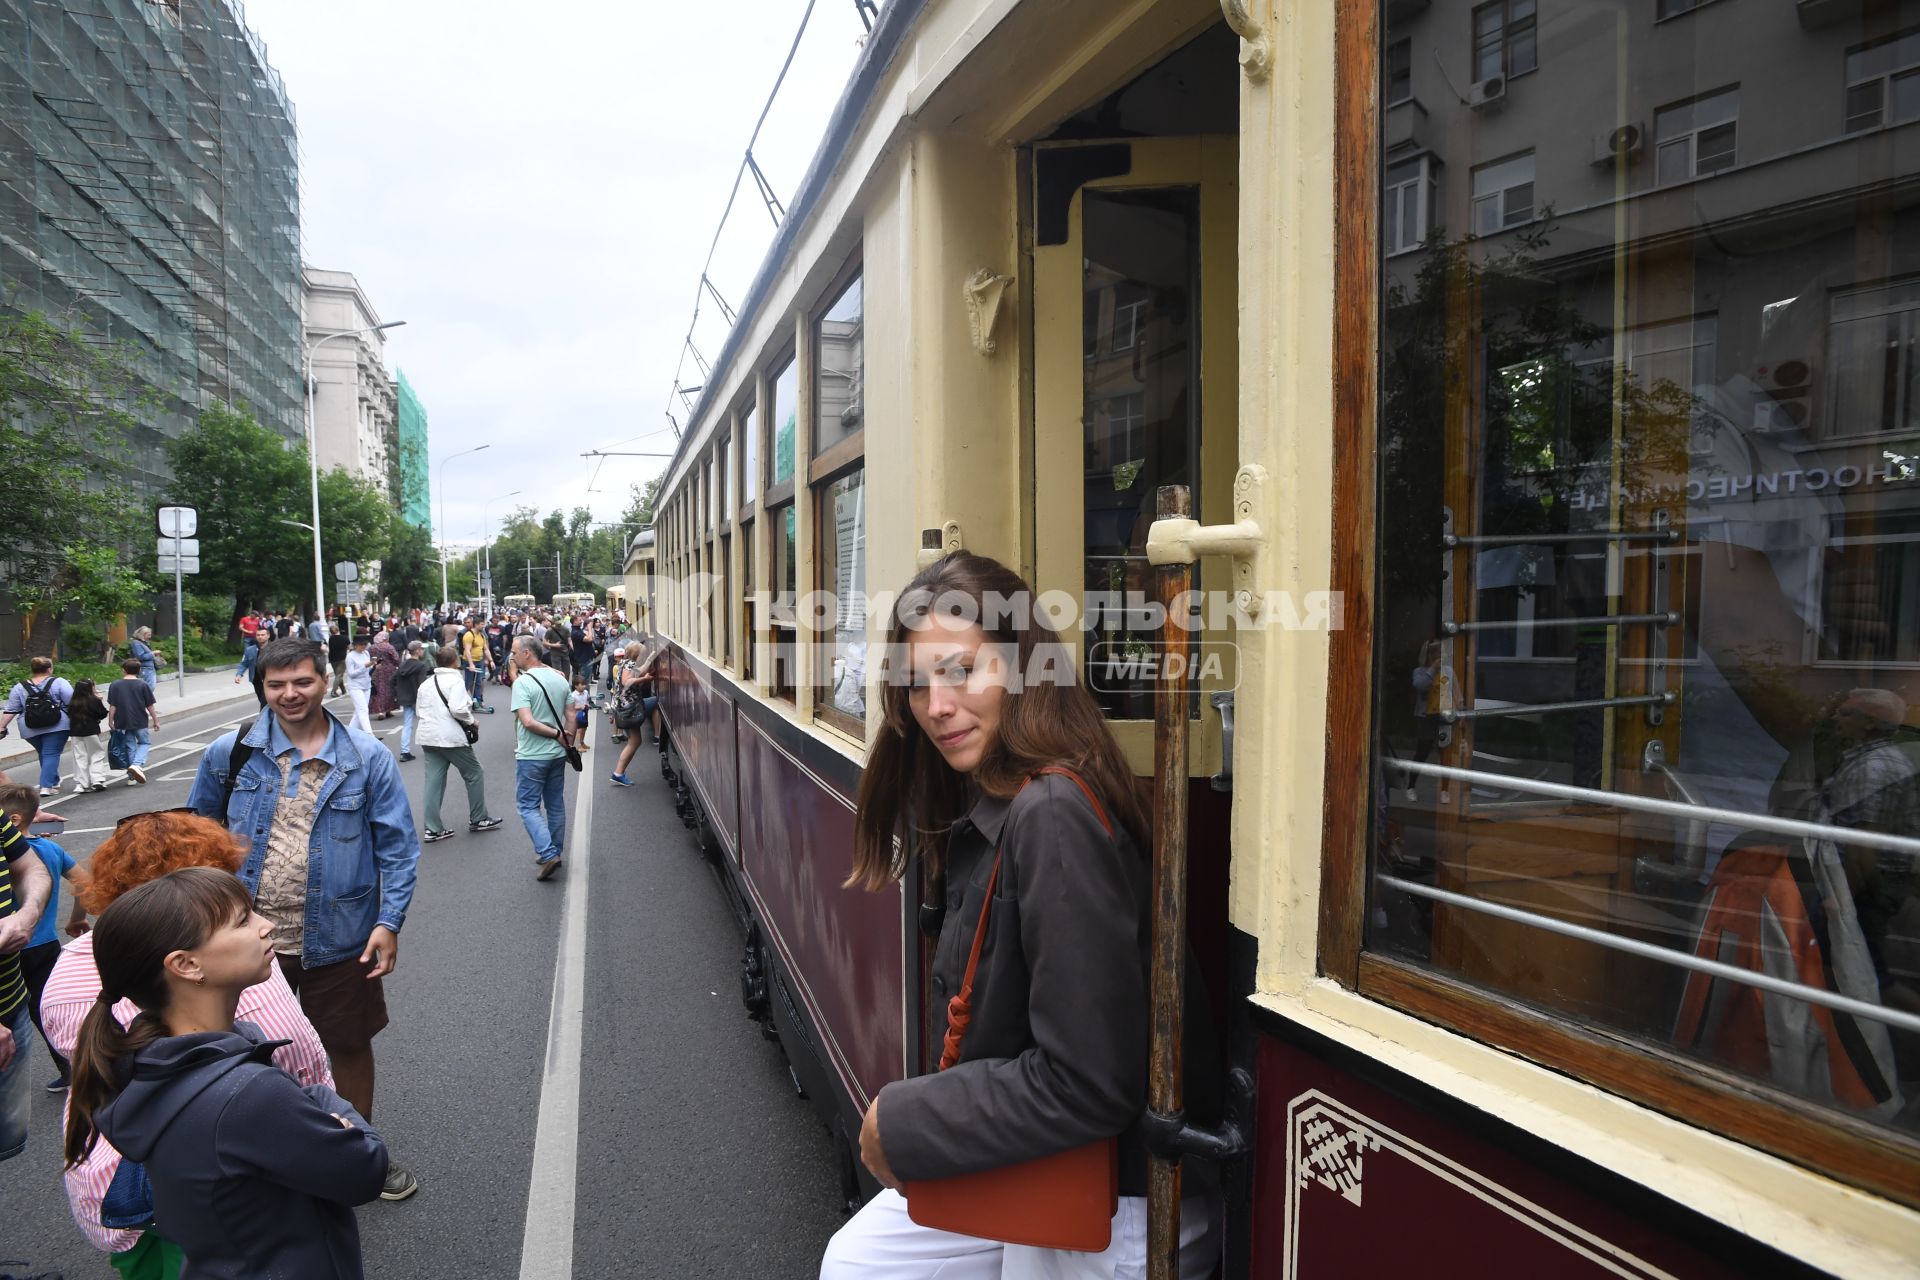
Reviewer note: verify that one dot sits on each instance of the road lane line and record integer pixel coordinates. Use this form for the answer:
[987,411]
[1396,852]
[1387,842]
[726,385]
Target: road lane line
[546,1250]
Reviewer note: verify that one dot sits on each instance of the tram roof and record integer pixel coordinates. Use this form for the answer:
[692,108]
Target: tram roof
[888,35]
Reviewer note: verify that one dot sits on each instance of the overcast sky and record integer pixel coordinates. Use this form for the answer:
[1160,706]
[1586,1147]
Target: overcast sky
[532,189]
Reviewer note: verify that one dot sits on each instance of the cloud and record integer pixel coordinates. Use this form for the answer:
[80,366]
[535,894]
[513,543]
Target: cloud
[533,195]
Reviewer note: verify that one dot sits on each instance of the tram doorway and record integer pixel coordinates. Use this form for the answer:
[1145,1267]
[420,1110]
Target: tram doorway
[1135,365]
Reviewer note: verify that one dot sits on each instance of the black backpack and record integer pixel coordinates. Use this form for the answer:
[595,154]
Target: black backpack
[41,711]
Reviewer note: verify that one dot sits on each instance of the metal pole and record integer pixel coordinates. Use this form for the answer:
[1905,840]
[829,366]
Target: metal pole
[313,477]
[1165,1094]
[179,626]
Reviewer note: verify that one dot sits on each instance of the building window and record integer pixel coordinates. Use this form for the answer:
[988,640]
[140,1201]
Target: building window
[1883,82]
[1697,137]
[1126,324]
[749,455]
[1870,599]
[1399,71]
[1873,344]
[1503,39]
[783,409]
[1503,194]
[1409,194]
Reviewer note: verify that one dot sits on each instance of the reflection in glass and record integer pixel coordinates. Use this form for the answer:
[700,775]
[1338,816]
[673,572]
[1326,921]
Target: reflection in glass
[840,350]
[749,456]
[1140,319]
[845,540]
[1650,527]
[784,406]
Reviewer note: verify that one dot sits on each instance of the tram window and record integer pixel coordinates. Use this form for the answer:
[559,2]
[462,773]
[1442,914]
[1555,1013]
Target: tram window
[841,698]
[1141,313]
[723,455]
[749,617]
[749,456]
[783,411]
[1648,537]
[723,598]
[781,623]
[839,354]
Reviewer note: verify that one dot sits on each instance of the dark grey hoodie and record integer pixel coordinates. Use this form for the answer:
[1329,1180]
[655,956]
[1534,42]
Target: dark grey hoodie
[252,1176]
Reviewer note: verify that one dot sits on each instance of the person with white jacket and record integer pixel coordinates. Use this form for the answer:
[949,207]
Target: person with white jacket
[443,709]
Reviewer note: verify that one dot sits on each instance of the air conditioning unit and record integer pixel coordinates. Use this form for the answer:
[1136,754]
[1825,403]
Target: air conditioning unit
[1619,146]
[1787,399]
[1488,94]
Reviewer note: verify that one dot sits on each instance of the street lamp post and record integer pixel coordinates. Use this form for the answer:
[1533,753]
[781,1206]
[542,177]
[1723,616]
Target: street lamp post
[313,449]
[486,540]
[443,516]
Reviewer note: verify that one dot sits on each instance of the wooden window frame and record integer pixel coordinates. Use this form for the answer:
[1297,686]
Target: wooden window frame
[833,459]
[823,708]
[774,494]
[1697,1092]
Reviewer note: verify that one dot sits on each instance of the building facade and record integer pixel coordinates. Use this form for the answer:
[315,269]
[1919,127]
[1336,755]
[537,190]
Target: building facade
[149,196]
[410,456]
[355,414]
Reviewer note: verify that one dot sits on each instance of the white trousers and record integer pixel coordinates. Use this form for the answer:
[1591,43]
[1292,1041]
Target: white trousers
[361,699]
[90,761]
[882,1243]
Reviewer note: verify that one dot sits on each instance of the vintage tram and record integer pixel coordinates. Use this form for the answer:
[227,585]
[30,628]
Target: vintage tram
[1554,803]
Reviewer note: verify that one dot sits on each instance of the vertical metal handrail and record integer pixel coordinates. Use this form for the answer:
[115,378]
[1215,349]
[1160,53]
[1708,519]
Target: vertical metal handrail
[1165,1085]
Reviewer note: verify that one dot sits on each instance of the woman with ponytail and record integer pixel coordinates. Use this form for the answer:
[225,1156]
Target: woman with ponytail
[994,770]
[142,848]
[252,1173]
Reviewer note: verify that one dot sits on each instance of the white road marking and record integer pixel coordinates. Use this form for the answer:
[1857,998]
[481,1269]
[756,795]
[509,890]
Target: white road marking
[546,1249]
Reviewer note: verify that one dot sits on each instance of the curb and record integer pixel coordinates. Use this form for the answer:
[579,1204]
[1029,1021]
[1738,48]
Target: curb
[14,751]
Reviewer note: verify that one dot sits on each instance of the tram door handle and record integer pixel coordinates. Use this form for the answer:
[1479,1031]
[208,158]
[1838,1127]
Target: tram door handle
[1182,540]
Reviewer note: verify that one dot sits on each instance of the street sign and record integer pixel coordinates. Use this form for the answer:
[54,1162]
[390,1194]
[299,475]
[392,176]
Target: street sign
[179,522]
[486,584]
[179,546]
[347,571]
[349,593]
[177,565]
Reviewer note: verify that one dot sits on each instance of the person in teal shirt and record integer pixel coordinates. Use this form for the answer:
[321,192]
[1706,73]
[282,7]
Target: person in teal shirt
[539,753]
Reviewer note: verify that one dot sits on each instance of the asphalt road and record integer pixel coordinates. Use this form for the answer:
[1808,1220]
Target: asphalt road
[694,1157]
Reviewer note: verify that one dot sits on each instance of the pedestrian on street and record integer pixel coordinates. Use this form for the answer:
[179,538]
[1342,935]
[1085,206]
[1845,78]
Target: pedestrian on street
[18,802]
[145,847]
[337,659]
[283,625]
[249,654]
[134,712]
[360,682]
[88,715]
[477,663]
[539,753]
[293,767]
[317,630]
[446,721]
[253,1173]
[386,661]
[250,624]
[141,645]
[583,646]
[406,685]
[40,702]
[25,888]
[1023,801]
[637,708]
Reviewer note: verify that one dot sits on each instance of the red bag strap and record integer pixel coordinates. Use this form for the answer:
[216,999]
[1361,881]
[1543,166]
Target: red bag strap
[960,1007]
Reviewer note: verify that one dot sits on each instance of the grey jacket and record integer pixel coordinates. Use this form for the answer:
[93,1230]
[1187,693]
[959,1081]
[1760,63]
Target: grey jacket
[1056,1052]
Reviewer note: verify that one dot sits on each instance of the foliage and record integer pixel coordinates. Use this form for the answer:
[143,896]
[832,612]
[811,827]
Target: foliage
[202,653]
[67,408]
[209,614]
[12,673]
[408,576]
[245,481]
[640,504]
[82,642]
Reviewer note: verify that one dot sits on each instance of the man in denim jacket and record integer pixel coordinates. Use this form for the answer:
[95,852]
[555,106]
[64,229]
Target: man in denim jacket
[331,853]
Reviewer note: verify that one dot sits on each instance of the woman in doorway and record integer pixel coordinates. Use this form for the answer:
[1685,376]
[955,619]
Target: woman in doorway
[994,766]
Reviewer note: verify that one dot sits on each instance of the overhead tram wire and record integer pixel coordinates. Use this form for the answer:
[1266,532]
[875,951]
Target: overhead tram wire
[767,194]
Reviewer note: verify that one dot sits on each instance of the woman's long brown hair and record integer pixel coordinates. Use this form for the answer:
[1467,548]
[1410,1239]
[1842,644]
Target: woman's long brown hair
[1051,721]
[131,942]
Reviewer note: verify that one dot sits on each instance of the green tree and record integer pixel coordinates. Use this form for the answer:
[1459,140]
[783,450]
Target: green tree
[67,511]
[640,503]
[244,481]
[408,576]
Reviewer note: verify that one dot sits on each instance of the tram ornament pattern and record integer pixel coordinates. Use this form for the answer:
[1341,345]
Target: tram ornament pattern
[1334,1151]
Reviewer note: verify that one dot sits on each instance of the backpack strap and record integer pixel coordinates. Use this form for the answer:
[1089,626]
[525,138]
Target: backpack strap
[236,761]
[960,1007]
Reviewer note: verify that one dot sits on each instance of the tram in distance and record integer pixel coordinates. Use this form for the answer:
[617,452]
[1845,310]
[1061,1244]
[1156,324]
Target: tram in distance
[1543,377]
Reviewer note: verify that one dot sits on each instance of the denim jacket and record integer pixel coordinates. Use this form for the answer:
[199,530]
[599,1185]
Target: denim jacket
[362,859]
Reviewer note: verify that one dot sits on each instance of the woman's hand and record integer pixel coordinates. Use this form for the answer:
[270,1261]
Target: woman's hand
[871,1153]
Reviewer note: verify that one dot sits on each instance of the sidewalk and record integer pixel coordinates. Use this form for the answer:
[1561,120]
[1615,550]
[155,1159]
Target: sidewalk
[206,690]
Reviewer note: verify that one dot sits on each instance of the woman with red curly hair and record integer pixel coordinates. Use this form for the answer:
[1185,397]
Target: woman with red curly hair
[145,847]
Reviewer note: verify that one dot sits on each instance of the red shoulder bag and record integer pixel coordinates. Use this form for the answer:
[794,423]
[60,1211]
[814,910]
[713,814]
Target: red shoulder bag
[1061,1201]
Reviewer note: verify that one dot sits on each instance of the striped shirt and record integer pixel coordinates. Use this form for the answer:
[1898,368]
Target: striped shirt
[13,989]
[73,987]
